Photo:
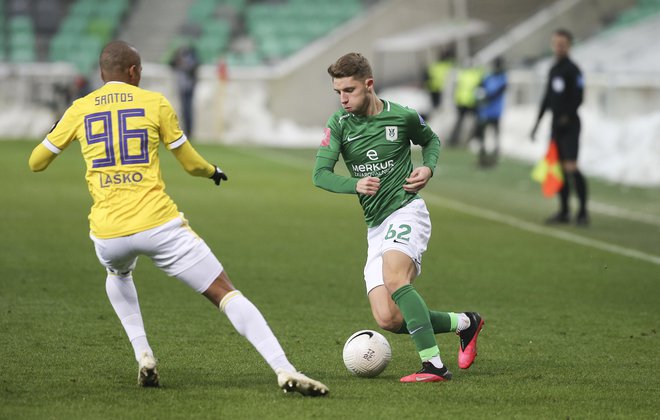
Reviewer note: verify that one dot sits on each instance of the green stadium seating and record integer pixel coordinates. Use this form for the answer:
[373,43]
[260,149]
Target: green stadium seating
[84,31]
[22,56]
[237,5]
[209,48]
[174,44]
[3,55]
[642,10]
[243,60]
[83,8]
[278,29]
[102,28]
[220,29]
[21,24]
[202,10]
[20,44]
[74,24]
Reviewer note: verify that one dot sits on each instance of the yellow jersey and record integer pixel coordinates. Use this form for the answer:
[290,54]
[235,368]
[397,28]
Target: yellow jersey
[119,128]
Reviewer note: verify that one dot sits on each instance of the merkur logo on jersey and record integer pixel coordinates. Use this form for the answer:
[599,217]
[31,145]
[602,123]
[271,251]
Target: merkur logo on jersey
[372,169]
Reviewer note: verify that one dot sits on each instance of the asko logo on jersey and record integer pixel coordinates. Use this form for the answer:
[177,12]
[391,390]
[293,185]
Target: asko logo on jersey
[106,181]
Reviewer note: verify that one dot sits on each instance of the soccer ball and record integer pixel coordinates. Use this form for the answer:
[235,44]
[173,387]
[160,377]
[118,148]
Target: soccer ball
[367,353]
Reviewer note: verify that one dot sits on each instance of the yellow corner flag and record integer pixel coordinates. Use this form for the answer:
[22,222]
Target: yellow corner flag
[548,171]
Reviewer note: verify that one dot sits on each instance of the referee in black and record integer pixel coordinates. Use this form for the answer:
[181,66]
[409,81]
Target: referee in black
[563,96]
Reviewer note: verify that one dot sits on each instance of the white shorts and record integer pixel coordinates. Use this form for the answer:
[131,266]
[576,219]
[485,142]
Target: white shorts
[173,247]
[407,230]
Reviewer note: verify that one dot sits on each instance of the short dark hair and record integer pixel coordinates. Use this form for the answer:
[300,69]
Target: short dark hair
[565,33]
[351,65]
[118,56]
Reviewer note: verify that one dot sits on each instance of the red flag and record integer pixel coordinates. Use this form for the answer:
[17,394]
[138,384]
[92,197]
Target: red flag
[548,171]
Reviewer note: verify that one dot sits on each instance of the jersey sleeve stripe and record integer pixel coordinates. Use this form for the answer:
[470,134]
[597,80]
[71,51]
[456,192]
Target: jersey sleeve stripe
[178,142]
[50,146]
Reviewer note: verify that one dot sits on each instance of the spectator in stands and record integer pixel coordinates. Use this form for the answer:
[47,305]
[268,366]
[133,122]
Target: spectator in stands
[436,77]
[563,96]
[490,96]
[467,81]
[185,63]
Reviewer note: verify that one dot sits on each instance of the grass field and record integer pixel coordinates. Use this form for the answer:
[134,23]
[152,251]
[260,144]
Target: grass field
[571,314]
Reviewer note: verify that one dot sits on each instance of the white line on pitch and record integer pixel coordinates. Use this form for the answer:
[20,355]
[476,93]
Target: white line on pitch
[541,230]
[519,223]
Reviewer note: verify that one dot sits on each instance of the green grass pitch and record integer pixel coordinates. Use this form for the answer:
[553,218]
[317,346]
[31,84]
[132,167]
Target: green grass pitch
[571,328]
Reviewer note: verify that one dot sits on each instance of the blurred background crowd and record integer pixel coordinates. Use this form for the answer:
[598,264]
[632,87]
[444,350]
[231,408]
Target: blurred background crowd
[253,71]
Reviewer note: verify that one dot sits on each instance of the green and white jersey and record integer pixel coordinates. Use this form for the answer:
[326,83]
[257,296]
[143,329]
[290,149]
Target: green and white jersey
[377,146]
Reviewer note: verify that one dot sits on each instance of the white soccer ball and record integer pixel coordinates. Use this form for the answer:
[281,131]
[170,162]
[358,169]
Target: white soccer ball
[367,353]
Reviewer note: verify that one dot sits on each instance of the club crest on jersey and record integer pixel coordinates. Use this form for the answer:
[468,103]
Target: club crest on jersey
[391,133]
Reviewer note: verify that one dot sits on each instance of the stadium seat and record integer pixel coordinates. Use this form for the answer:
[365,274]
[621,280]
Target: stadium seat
[209,48]
[102,28]
[84,31]
[202,10]
[73,24]
[642,10]
[20,44]
[244,59]
[22,54]
[238,6]
[3,55]
[21,24]
[110,10]
[83,8]
[280,29]
[176,43]
[276,28]
[220,29]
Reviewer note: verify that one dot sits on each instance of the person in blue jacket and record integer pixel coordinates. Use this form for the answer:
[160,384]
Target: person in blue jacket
[490,95]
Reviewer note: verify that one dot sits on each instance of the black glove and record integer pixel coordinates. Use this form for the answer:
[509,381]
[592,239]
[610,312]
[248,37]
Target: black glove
[218,176]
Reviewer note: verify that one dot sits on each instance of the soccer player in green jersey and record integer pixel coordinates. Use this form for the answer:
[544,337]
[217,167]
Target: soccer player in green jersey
[120,127]
[373,136]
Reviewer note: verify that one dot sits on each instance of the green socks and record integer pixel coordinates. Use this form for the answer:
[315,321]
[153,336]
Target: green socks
[442,322]
[417,320]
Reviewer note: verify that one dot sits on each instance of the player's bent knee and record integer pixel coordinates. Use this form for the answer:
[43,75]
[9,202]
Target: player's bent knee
[219,288]
[390,326]
[390,323]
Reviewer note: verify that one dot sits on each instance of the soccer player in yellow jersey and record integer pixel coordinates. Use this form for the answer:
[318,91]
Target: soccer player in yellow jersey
[119,127]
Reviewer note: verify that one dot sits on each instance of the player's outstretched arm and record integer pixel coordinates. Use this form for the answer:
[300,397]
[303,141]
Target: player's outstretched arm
[40,158]
[196,165]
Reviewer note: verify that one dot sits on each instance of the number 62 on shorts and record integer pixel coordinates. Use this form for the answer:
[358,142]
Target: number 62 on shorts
[402,232]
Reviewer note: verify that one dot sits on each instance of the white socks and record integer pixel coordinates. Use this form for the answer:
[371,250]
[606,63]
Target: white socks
[243,315]
[463,322]
[436,361]
[123,297]
[248,321]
